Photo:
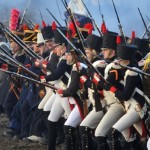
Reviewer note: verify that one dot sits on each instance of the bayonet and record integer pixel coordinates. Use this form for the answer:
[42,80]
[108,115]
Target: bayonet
[119,23]
[53,17]
[25,12]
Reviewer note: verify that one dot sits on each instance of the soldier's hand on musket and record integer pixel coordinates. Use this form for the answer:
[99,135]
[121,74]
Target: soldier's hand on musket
[4,66]
[96,79]
[60,92]
[83,79]
[39,62]
[42,79]
[77,67]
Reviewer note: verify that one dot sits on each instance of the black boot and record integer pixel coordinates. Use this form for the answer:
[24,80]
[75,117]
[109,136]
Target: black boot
[114,142]
[60,131]
[69,137]
[102,143]
[86,138]
[138,145]
[77,139]
[52,134]
[144,145]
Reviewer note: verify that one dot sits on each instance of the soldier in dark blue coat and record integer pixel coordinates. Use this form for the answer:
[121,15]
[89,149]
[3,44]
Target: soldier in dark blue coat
[16,114]
[19,54]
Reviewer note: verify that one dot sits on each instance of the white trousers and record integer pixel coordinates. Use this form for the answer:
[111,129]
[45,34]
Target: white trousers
[59,107]
[43,102]
[92,119]
[49,103]
[148,144]
[114,113]
[74,118]
[127,120]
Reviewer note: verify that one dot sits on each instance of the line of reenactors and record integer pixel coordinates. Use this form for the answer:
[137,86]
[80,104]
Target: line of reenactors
[51,94]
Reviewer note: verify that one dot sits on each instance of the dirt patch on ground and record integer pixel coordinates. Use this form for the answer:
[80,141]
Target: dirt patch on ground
[7,143]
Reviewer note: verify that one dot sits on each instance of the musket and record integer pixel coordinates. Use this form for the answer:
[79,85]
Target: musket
[54,17]
[119,23]
[79,35]
[102,16]
[32,22]
[60,12]
[82,55]
[17,63]
[29,23]
[127,67]
[43,23]
[8,54]
[147,31]
[5,61]
[29,79]
[3,48]
[24,12]
[41,15]
[92,19]
[28,50]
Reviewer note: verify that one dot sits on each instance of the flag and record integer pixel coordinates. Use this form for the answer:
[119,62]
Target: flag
[79,12]
[80,15]
[77,7]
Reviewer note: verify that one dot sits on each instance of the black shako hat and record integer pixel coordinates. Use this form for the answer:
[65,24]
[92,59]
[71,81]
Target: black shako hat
[47,33]
[94,42]
[143,45]
[58,38]
[109,41]
[126,52]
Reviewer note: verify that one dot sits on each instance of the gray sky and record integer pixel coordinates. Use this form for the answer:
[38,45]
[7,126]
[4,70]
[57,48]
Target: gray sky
[127,10]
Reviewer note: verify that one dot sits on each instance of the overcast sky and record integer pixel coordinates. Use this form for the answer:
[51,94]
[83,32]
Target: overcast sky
[127,10]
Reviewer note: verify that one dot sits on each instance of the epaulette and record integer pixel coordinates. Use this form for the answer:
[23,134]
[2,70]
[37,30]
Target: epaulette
[132,73]
[100,63]
[115,66]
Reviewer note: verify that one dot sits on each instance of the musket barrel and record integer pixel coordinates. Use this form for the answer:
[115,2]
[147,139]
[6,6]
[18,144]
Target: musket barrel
[53,17]
[127,67]
[119,23]
[29,79]
[20,42]
[19,65]
[24,12]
